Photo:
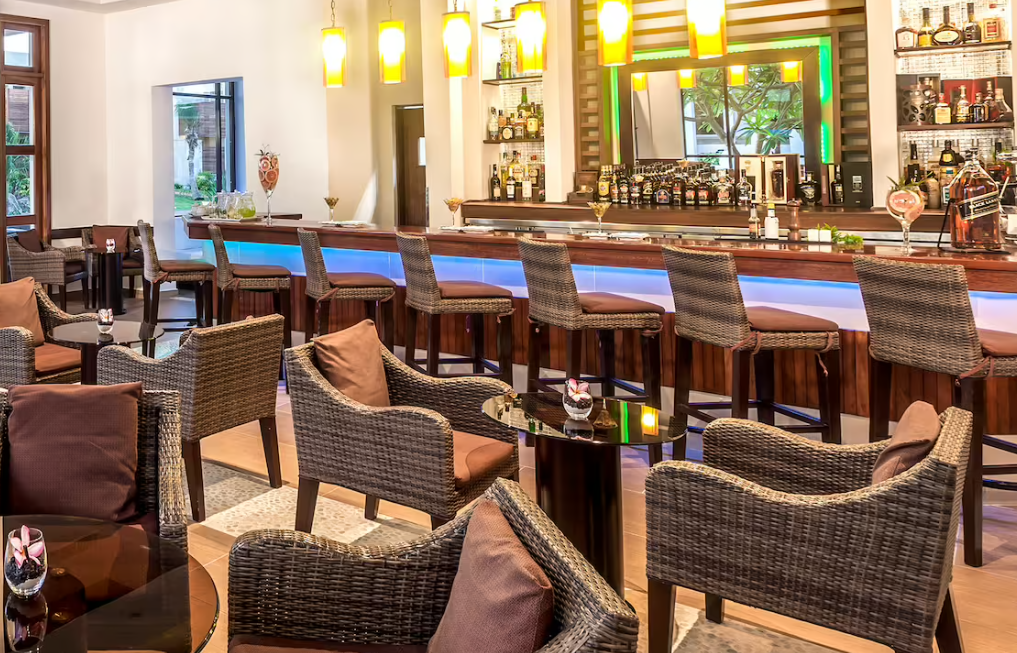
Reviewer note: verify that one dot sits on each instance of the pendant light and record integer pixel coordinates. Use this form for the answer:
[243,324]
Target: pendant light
[458,37]
[686,78]
[333,47]
[639,82]
[791,72]
[392,49]
[737,75]
[531,38]
[614,32]
[707,22]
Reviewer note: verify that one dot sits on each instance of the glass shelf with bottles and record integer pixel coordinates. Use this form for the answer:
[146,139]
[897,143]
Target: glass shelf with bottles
[981,27]
[932,102]
[523,124]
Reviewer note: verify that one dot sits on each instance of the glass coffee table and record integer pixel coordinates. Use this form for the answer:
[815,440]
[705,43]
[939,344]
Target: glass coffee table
[86,337]
[578,465]
[110,588]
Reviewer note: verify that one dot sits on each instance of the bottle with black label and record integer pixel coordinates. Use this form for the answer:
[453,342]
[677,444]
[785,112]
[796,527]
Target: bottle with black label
[510,189]
[974,211]
[623,187]
[808,191]
[972,28]
[495,184]
[777,183]
[649,188]
[615,188]
[837,187]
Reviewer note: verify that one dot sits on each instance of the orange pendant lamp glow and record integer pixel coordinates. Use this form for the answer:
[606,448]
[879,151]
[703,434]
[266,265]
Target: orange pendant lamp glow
[791,72]
[737,75]
[334,49]
[707,20]
[639,82]
[531,38]
[392,50]
[458,38]
[686,78]
[614,32]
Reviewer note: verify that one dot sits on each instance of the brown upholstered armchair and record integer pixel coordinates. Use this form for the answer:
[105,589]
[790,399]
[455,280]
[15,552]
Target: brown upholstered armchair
[778,522]
[226,375]
[22,363]
[30,257]
[159,488]
[291,585]
[415,453]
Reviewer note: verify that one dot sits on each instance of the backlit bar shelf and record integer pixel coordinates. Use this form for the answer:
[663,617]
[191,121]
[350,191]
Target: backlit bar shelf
[960,47]
[955,127]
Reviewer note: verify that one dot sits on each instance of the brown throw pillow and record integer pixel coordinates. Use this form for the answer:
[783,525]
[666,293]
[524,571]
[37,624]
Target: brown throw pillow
[501,600]
[122,236]
[73,451]
[351,361]
[913,440]
[20,308]
[30,240]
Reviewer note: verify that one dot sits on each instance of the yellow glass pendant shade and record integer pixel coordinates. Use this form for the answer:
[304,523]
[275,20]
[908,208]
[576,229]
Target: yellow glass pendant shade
[737,75]
[707,21]
[392,51]
[334,50]
[686,78]
[531,38]
[458,38]
[791,72]
[639,82]
[614,32]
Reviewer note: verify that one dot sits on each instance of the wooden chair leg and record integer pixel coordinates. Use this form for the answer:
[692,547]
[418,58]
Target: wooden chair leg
[715,608]
[310,316]
[533,356]
[270,442]
[410,337]
[972,398]
[387,310]
[880,386]
[132,285]
[287,313]
[505,348]
[682,384]
[438,522]
[206,294]
[476,323]
[371,507]
[195,482]
[371,308]
[226,310]
[573,354]
[829,395]
[765,395]
[606,351]
[63,297]
[652,369]
[146,297]
[199,304]
[324,317]
[153,309]
[741,361]
[660,612]
[433,343]
[948,634]
[307,500]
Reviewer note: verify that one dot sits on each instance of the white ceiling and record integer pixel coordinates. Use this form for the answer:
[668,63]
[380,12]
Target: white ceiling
[101,6]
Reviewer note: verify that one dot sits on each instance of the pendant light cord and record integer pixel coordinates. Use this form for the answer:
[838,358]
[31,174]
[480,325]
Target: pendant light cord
[390,9]
[333,13]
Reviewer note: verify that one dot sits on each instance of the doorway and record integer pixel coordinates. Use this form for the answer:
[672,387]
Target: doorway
[411,167]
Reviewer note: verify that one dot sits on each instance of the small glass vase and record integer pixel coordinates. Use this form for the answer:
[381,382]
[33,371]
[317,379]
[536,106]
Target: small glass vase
[577,410]
[111,246]
[25,562]
[105,321]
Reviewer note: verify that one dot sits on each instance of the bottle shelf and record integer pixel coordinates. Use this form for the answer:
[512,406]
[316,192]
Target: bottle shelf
[528,79]
[507,23]
[961,47]
[954,127]
[514,141]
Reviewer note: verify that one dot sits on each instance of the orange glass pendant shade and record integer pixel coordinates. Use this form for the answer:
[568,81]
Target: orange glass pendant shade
[458,38]
[614,32]
[392,51]
[334,50]
[707,21]
[531,38]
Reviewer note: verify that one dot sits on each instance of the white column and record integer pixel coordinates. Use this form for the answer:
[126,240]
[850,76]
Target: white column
[882,97]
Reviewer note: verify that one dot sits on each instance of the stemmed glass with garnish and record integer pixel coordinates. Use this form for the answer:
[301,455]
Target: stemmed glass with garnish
[599,210]
[905,203]
[332,202]
[453,205]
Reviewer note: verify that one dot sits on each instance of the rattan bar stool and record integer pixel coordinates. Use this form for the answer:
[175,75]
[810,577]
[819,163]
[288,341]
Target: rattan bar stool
[425,294]
[158,272]
[376,291]
[709,309]
[920,316]
[555,301]
[233,278]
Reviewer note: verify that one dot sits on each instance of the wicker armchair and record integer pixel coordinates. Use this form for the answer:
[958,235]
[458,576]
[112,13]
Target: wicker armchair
[158,477]
[226,375]
[402,454]
[52,266]
[397,595]
[775,521]
[18,351]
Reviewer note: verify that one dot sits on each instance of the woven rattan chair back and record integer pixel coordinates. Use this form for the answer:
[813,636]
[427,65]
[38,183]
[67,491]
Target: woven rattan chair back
[314,264]
[421,283]
[554,298]
[222,257]
[919,315]
[152,268]
[707,297]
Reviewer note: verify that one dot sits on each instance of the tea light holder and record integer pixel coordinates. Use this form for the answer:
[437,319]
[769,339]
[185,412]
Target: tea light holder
[105,321]
[111,246]
[813,235]
[825,236]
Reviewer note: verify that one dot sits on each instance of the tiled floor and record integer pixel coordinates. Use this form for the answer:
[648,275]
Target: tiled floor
[986,598]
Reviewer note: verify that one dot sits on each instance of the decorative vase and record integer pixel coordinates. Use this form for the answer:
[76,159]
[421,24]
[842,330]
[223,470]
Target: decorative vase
[577,401]
[111,246]
[105,321]
[25,562]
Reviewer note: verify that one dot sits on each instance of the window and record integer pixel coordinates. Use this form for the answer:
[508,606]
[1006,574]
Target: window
[204,142]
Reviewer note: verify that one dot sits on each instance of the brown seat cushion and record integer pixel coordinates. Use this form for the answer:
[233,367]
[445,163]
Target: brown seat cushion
[998,344]
[501,600]
[765,318]
[186,266]
[95,431]
[133,263]
[605,303]
[914,438]
[260,272]
[472,290]
[351,361]
[255,644]
[20,308]
[73,267]
[30,240]
[53,359]
[359,280]
[102,233]
[475,457]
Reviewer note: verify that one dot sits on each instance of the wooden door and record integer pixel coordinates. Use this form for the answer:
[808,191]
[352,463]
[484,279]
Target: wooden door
[411,167]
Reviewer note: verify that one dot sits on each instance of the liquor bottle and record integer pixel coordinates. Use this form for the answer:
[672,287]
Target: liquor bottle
[540,119]
[691,196]
[978,110]
[777,180]
[744,191]
[636,188]
[532,125]
[947,33]
[492,125]
[992,25]
[725,191]
[808,191]
[1005,112]
[933,192]
[677,190]
[519,128]
[623,186]
[662,195]
[914,167]
[974,211]
[753,223]
[649,188]
[704,192]
[972,30]
[527,184]
[510,188]
[523,110]
[615,190]
[996,168]
[604,185]
[837,187]
[925,32]
[771,228]
[962,112]
[508,130]
[495,186]
[906,37]
[943,112]
[948,158]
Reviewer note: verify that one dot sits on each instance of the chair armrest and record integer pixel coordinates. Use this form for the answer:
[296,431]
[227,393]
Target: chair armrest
[459,400]
[71,253]
[784,461]
[380,595]
[52,317]
[17,357]
[44,267]
[119,364]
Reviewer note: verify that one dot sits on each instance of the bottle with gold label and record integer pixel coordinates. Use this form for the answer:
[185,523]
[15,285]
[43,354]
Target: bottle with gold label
[925,32]
[943,113]
[962,112]
[947,33]
[604,185]
[992,25]
[532,124]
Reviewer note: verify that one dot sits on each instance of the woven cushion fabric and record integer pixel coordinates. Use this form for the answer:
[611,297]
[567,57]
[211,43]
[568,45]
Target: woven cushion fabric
[260,272]
[359,280]
[472,290]
[30,240]
[998,344]
[185,266]
[775,320]
[351,361]
[255,644]
[94,429]
[476,457]
[73,267]
[501,600]
[605,303]
[913,440]
[122,236]
[20,308]
[53,359]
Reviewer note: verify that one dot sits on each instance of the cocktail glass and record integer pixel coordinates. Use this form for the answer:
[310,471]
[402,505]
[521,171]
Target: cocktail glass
[599,210]
[453,205]
[331,202]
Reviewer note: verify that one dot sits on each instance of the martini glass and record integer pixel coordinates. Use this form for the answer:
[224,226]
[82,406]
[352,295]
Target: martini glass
[332,202]
[453,205]
[599,210]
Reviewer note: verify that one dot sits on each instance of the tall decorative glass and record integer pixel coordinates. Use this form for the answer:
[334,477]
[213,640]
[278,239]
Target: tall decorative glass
[268,175]
[25,561]
[453,205]
[905,203]
[599,210]
[332,202]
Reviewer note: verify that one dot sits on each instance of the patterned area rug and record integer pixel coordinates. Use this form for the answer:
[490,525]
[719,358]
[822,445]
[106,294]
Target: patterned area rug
[694,633]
